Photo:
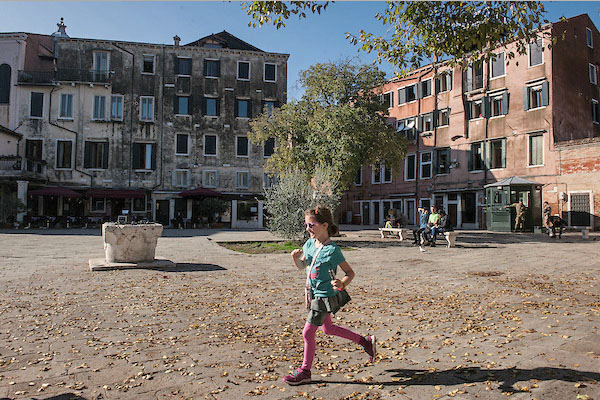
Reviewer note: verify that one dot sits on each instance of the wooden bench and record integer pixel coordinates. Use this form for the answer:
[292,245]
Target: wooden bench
[401,233]
[450,238]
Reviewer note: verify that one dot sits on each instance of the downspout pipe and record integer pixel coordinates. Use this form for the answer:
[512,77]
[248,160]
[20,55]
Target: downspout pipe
[131,112]
[162,114]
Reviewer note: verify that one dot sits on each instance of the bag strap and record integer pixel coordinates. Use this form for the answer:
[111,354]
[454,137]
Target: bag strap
[309,268]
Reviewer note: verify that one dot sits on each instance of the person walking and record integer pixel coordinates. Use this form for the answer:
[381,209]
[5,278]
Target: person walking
[520,215]
[321,257]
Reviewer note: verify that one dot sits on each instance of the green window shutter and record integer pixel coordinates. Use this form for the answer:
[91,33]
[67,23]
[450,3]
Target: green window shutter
[467,110]
[505,103]
[86,154]
[401,96]
[203,105]
[219,68]
[545,93]
[487,155]
[175,105]
[525,98]
[485,104]
[218,107]
[136,156]
[105,155]
[249,108]
[205,70]
[470,159]
[236,108]
[437,85]
[153,157]
[176,65]
[503,161]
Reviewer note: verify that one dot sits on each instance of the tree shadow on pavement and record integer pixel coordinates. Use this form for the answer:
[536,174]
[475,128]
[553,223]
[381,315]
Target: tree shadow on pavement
[189,267]
[64,396]
[507,377]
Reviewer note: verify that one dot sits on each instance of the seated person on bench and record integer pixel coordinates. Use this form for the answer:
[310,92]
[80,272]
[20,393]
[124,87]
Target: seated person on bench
[444,226]
[390,220]
[432,223]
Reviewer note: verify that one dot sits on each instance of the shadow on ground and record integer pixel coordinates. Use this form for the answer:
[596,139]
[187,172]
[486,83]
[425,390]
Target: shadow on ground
[64,396]
[189,267]
[507,377]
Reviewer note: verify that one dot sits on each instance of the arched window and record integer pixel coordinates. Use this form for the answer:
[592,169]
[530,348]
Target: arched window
[4,83]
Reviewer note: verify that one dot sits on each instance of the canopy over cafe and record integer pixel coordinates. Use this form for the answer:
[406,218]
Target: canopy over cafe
[510,191]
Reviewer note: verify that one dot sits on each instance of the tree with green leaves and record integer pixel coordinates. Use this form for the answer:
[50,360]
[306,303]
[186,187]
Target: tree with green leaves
[418,32]
[338,124]
[294,193]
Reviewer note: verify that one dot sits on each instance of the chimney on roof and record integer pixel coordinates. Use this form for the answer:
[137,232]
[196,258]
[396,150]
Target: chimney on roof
[61,31]
[176,40]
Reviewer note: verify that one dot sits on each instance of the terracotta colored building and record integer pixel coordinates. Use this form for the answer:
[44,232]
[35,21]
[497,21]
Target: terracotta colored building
[535,117]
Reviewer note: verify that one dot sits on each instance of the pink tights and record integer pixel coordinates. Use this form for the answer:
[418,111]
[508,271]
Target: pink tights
[328,328]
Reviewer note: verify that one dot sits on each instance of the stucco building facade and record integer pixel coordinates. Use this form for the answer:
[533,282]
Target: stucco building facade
[535,116]
[152,129]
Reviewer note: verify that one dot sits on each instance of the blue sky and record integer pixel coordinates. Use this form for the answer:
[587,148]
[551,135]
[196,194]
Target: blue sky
[317,39]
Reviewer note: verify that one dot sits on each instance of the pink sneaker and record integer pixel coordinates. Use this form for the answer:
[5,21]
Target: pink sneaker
[371,347]
[299,377]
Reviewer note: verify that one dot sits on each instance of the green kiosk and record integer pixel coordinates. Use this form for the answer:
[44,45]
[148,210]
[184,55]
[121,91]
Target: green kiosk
[509,191]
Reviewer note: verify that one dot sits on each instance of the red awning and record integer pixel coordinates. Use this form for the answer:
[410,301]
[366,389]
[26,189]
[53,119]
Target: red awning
[117,193]
[55,191]
[200,192]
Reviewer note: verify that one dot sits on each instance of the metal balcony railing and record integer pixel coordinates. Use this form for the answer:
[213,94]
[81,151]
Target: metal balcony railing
[35,166]
[63,75]
[82,75]
[10,163]
[35,77]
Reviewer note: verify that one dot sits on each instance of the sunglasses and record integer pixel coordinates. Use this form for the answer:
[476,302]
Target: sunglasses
[311,224]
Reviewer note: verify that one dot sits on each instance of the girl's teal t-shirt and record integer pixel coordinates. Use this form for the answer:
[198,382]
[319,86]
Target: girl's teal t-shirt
[328,259]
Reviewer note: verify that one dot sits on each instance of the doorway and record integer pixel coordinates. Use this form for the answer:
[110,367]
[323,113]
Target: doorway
[365,213]
[162,212]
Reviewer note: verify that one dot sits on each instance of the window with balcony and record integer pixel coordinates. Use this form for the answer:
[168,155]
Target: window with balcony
[95,155]
[101,66]
[64,154]
[144,156]
[66,106]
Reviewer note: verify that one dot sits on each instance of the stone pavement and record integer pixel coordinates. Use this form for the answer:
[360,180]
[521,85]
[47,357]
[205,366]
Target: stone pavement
[500,315]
